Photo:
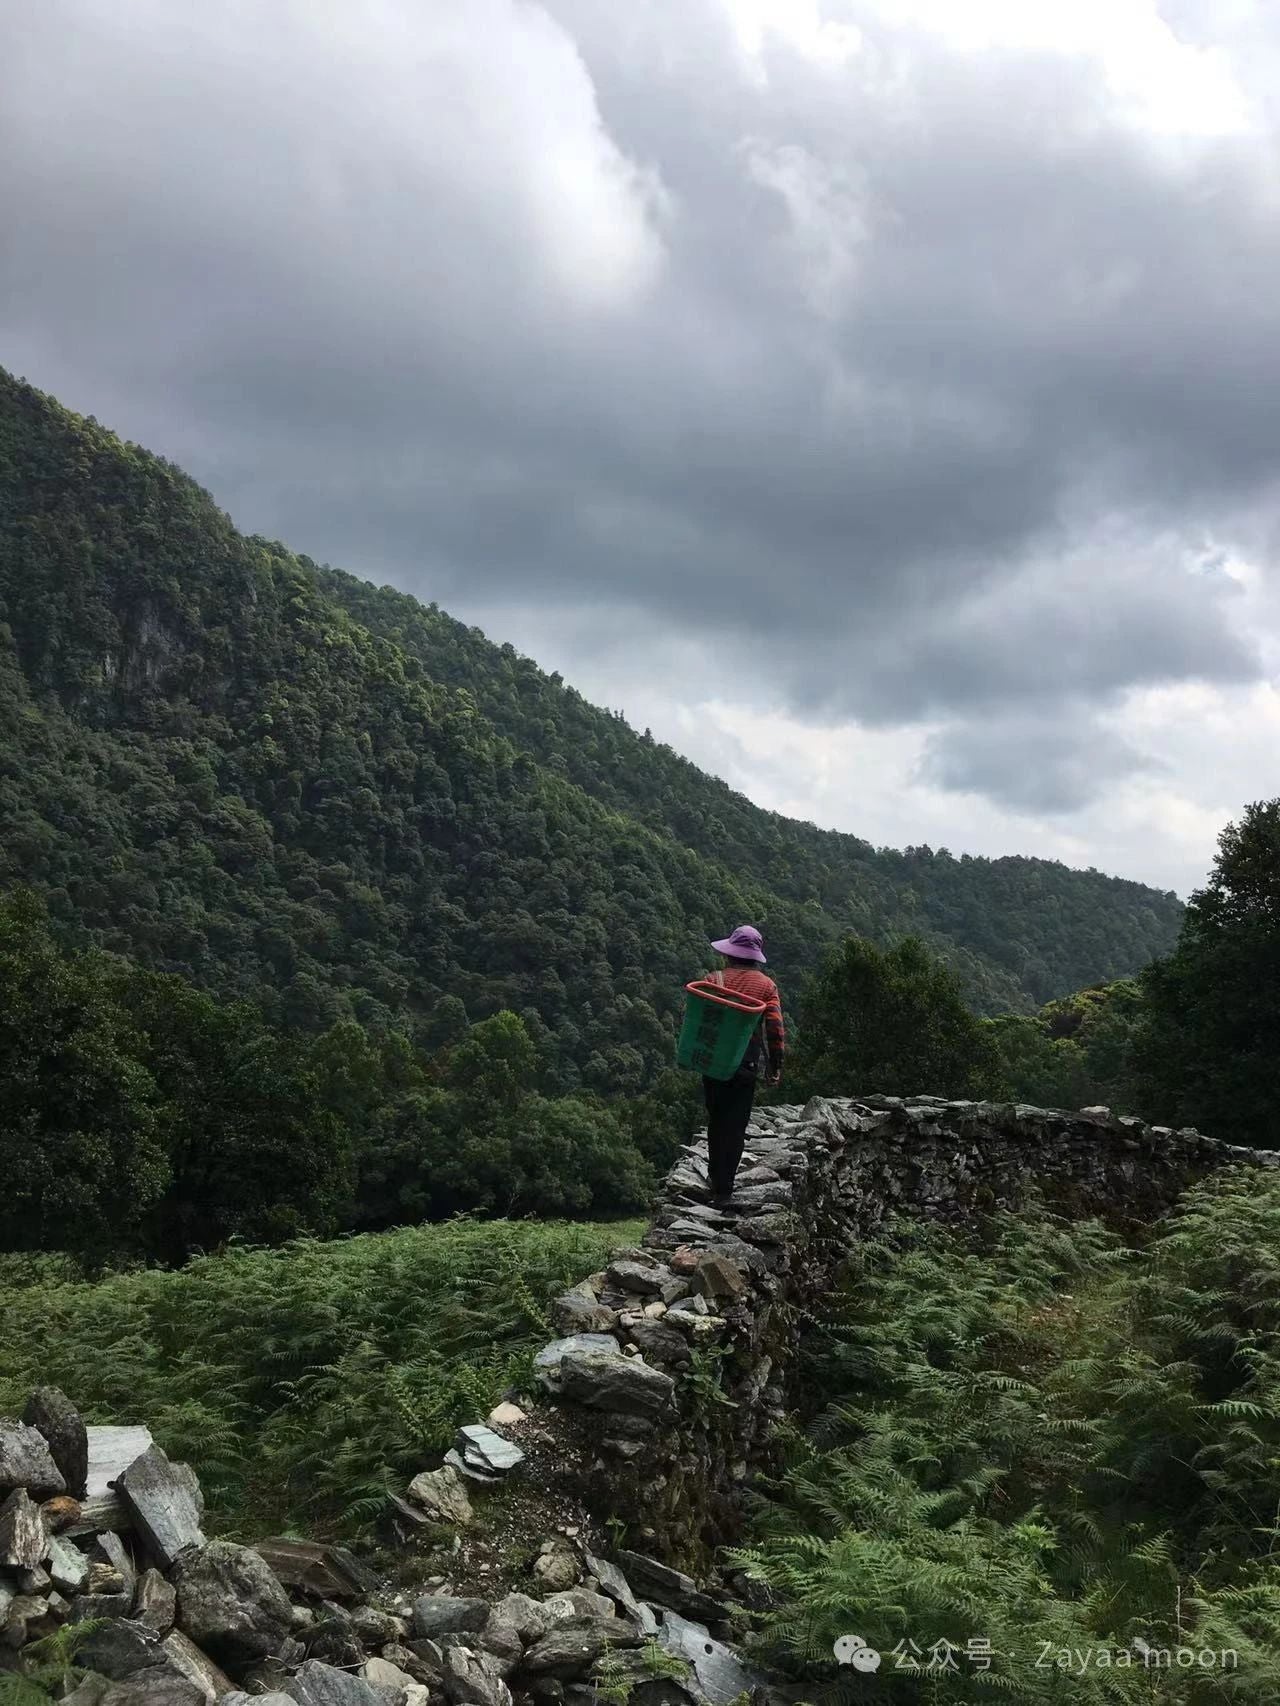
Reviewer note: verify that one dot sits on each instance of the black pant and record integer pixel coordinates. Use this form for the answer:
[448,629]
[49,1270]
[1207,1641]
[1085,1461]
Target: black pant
[728,1114]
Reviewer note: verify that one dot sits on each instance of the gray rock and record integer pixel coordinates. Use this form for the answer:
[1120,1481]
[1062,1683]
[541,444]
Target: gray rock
[230,1603]
[660,1344]
[754,1199]
[104,1577]
[716,1276]
[405,1659]
[572,1645]
[160,1685]
[484,1449]
[166,1504]
[53,1415]
[197,1667]
[442,1496]
[557,1566]
[273,1697]
[646,1280]
[616,1586]
[615,1383]
[316,1567]
[720,1673]
[441,1614]
[319,1684]
[68,1566]
[333,1639]
[24,1619]
[96,1513]
[546,1690]
[429,1657]
[405,1522]
[502,1643]
[548,1361]
[156,1602]
[378,1627]
[473,1679]
[668,1587]
[26,1461]
[92,1607]
[528,1617]
[120,1648]
[24,1534]
[454,1460]
[573,1313]
[386,1675]
[579,1602]
[114,1551]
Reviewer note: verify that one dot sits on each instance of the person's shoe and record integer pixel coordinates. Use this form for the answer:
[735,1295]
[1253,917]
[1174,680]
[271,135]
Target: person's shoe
[722,1200]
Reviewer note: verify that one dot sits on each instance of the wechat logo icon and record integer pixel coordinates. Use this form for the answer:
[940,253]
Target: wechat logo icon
[853,1650]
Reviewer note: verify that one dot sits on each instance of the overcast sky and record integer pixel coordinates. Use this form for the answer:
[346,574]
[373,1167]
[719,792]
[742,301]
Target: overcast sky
[878,399]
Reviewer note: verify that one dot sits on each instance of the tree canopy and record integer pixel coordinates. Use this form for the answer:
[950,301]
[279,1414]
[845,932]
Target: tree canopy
[1211,1038]
[890,1021]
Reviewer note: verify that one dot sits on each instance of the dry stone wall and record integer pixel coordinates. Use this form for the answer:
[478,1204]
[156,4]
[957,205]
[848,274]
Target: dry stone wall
[674,1362]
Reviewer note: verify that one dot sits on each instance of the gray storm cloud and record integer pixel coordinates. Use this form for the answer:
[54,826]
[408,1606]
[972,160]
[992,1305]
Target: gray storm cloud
[928,372]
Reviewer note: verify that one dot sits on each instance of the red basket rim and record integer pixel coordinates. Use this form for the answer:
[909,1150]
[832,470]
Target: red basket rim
[706,991]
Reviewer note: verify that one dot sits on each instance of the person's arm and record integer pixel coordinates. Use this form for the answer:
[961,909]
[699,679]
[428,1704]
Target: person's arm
[775,1033]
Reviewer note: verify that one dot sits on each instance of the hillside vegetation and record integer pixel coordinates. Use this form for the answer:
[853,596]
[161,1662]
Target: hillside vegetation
[1036,1447]
[301,1383]
[284,784]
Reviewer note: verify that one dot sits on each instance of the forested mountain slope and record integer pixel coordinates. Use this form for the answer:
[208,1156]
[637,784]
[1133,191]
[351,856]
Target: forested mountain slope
[1015,927]
[284,783]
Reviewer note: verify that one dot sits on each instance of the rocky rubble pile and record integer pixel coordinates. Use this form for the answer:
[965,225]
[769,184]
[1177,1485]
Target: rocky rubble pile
[101,1536]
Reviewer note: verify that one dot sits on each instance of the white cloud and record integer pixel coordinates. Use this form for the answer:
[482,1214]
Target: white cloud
[1162,82]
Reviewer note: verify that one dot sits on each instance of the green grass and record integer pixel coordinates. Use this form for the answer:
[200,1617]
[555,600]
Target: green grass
[300,1383]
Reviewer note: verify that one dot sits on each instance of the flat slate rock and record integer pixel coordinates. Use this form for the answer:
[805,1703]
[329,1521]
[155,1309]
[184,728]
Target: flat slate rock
[111,1451]
[166,1503]
[457,1462]
[102,1511]
[720,1673]
[485,1449]
[26,1461]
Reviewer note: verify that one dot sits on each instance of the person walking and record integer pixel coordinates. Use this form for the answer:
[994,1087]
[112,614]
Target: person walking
[729,1101]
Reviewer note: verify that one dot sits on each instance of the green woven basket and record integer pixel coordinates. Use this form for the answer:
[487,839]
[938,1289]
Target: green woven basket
[718,1025]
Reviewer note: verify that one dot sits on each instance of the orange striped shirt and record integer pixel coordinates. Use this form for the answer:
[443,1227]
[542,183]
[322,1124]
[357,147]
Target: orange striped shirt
[745,980]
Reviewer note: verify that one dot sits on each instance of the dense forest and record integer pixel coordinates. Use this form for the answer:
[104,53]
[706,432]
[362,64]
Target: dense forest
[286,785]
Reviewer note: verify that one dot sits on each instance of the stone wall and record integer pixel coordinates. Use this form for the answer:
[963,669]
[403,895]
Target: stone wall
[674,1361]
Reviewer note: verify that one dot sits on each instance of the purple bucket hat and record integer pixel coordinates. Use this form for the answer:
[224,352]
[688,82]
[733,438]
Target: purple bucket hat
[744,944]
